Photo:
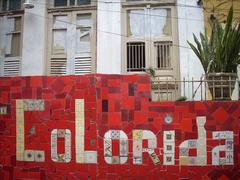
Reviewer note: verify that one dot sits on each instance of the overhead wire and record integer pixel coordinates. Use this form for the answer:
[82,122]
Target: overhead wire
[157,15]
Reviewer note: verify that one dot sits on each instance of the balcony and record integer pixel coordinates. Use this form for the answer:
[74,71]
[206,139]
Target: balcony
[194,89]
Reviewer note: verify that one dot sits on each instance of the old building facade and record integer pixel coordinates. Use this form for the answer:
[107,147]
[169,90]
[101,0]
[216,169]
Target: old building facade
[60,37]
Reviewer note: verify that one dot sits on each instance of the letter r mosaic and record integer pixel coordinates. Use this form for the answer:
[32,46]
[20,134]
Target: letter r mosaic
[106,127]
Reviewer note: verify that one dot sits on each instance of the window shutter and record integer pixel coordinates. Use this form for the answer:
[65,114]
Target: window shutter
[11,66]
[82,65]
[58,66]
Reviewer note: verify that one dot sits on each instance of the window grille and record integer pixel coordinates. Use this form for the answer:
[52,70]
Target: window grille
[136,56]
[163,54]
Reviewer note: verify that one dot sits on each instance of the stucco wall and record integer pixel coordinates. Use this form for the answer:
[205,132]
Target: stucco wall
[109,37]
[190,20]
[34,39]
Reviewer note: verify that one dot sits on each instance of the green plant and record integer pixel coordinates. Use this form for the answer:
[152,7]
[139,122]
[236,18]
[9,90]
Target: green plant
[182,98]
[221,51]
[151,72]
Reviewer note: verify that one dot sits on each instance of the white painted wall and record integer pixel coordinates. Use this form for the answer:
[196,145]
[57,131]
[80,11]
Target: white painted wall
[2,32]
[109,37]
[190,20]
[33,52]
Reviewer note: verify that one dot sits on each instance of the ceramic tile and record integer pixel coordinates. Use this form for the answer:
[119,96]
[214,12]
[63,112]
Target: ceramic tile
[183,160]
[192,143]
[107,147]
[168,159]
[100,104]
[169,148]
[137,148]
[148,135]
[115,134]
[108,160]
[123,147]
[168,136]
[29,155]
[152,143]
[154,158]
[137,134]
[33,105]
[3,110]
[115,160]
[192,161]
[215,154]
[229,144]
[90,157]
[183,151]
[137,160]
[229,158]
[61,133]
[39,156]
[123,160]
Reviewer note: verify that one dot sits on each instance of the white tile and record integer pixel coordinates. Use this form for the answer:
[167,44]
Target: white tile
[90,157]
[137,160]
[169,148]
[108,160]
[107,147]
[29,155]
[152,143]
[148,135]
[168,136]
[137,148]
[115,134]
[123,147]
[168,159]
[39,156]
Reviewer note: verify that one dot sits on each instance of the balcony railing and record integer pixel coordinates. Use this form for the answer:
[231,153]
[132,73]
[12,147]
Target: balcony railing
[194,90]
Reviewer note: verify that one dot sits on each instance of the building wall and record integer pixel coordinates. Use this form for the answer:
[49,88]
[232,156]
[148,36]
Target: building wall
[34,40]
[109,37]
[190,20]
[105,127]
[220,9]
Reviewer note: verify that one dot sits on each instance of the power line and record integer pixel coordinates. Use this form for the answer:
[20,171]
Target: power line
[97,30]
[125,12]
[144,2]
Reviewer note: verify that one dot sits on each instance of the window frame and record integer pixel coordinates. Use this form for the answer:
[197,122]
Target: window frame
[12,65]
[72,17]
[51,5]
[150,54]
[7,7]
[20,32]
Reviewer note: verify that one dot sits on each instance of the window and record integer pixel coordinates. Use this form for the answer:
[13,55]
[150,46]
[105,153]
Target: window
[59,3]
[153,28]
[151,32]
[163,54]
[136,56]
[10,45]
[71,42]
[13,37]
[10,5]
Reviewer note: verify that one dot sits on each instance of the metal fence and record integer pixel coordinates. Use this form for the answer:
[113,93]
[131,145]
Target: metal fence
[195,90]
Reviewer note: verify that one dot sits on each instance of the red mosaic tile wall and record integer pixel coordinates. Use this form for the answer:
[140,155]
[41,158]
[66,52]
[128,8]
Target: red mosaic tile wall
[125,135]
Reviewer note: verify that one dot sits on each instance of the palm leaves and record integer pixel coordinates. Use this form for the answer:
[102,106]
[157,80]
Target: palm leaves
[221,51]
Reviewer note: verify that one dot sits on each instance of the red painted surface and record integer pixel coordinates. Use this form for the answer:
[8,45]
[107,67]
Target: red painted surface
[111,102]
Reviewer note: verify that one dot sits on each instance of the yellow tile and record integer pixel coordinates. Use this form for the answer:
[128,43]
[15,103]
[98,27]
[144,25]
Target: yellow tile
[19,104]
[183,160]
[137,134]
